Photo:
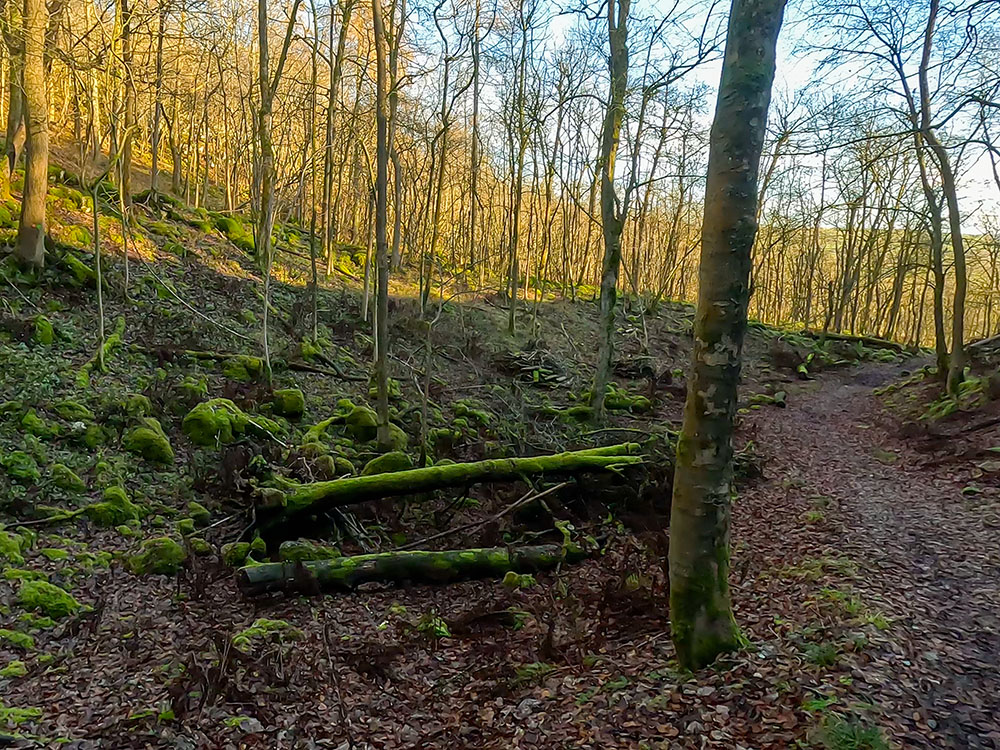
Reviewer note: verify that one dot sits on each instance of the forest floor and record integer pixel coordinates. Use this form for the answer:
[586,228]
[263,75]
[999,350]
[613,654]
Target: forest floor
[865,565]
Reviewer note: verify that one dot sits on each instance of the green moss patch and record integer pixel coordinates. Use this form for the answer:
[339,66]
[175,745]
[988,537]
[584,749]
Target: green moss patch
[17,639]
[10,548]
[394,461]
[289,402]
[114,510]
[303,549]
[66,479]
[161,555]
[20,467]
[47,598]
[221,421]
[149,441]
[263,631]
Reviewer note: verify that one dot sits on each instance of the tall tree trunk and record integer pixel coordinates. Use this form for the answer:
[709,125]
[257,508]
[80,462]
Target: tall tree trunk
[128,104]
[154,172]
[381,230]
[31,228]
[700,609]
[14,135]
[612,217]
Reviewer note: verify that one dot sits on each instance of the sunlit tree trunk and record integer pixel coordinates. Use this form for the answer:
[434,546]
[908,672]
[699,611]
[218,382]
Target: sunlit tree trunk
[700,609]
[381,230]
[31,227]
[612,218]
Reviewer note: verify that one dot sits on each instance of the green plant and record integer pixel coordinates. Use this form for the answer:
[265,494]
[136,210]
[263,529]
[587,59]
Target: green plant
[840,733]
[823,654]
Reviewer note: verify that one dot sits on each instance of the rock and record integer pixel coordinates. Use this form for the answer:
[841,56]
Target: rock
[73,411]
[289,402]
[362,423]
[161,555]
[10,548]
[235,554]
[21,467]
[243,368]
[47,598]
[332,467]
[221,421]
[66,479]
[136,405]
[44,332]
[394,461]
[37,426]
[114,510]
[201,515]
[149,441]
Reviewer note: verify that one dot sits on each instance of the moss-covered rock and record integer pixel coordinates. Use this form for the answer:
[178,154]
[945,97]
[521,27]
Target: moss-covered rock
[303,549]
[201,515]
[473,411]
[137,405]
[243,368]
[161,555]
[21,467]
[148,440]
[221,421]
[394,461]
[73,411]
[66,479]
[37,426]
[332,467]
[47,598]
[185,526]
[199,546]
[83,275]
[289,402]
[313,449]
[10,548]
[17,639]
[114,509]
[45,334]
[362,423]
[235,554]
[395,390]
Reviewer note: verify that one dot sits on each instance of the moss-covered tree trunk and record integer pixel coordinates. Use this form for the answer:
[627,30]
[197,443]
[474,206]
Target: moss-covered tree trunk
[31,229]
[417,566]
[700,609]
[612,218]
[298,501]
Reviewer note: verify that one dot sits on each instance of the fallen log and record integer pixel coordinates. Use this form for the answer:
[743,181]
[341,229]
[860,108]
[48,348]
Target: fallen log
[416,566]
[278,506]
[870,341]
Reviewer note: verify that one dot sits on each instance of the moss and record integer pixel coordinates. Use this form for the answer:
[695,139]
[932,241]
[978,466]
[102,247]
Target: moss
[136,405]
[175,248]
[258,546]
[243,368]
[221,421]
[15,668]
[395,391]
[332,467]
[91,436]
[17,639]
[149,441]
[38,426]
[160,555]
[73,411]
[47,598]
[55,554]
[262,630]
[21,467]
[44,332]
[185,526]
[362,423]
[115,509]
[235,554]
[312,449]
[201,515]
[194,387]
[22,574]
[162,229]
[472,410]
[18,716]
[398,439]
[199,546]
[578,413]
[394,461]
[66,479]
[79,236]
[10,547]
[303,549]
[248,317]
[289,402]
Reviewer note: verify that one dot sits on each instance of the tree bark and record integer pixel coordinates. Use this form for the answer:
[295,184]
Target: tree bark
[612,218]
[700,607]
[381,229]
[31,227]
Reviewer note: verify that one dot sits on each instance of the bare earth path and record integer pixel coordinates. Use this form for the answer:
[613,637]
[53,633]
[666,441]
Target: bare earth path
[923,553]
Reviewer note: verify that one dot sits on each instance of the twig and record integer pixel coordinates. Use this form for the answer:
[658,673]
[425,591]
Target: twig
[529,496]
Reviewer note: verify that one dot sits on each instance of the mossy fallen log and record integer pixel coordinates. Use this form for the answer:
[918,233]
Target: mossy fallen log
[278,506]
[869,341]
[415,566]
